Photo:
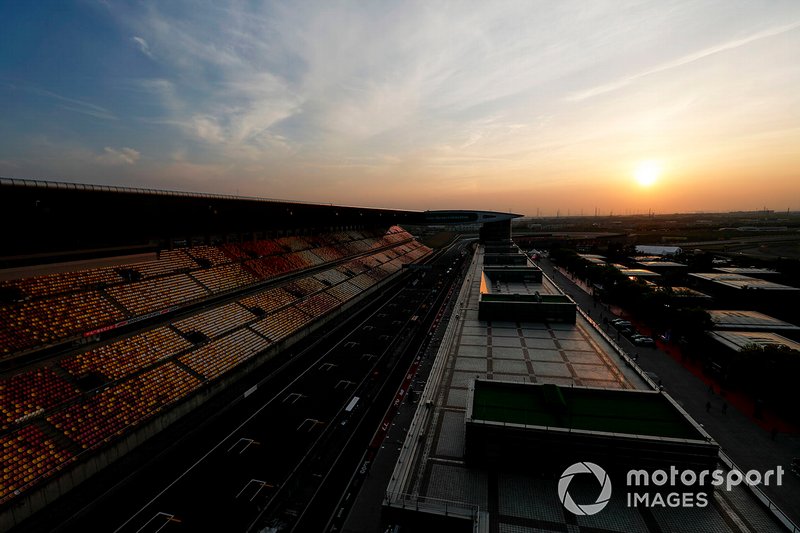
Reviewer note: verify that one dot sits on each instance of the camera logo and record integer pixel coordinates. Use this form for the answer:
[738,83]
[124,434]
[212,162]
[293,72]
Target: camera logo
[589,508]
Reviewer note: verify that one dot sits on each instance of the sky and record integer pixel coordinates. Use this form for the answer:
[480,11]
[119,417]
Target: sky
[531,107]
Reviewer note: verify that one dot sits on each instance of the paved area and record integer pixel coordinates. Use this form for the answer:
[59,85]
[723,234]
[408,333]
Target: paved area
[748,445]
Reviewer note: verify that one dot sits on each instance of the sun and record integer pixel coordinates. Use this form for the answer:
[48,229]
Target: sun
[647,173]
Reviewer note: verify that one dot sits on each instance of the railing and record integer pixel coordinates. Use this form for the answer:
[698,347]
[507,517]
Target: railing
[432,505]
[763,498]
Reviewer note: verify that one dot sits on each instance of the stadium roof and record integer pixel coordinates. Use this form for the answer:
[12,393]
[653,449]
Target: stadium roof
[748,320]
[48,218]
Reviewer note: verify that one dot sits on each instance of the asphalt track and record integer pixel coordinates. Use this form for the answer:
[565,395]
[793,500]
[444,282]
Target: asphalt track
[282,456]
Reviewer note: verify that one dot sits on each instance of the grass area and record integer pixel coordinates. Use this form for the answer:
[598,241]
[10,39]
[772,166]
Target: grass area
[582,409]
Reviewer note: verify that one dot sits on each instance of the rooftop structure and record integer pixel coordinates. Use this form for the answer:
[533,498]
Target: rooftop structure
[613,427]
[739,340]
[742,282]
[749,321]
[658,250]
[748,271]
[639,273]
[687,295]
[662,265]
[512,293]
[593,258]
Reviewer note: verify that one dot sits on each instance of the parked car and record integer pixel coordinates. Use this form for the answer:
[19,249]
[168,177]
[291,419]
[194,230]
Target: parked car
[622,324]
[643,340]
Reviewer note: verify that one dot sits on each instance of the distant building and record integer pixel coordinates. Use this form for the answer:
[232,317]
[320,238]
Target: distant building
[658,250]
[741,320]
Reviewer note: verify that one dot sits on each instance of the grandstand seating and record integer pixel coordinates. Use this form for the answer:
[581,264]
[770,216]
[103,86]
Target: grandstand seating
[330,276]
[269,267]
[168,262]
[36,322]
[363,281]
[280,325]
[31,392]
[124,357]
[305,286]
[155,294]
[344,291]
[28,456]
[217,357]
[214,255]
[86,399]
[269,300]
[63,282]
[122,406]
[294,244]
[217,321]
[329,253]
[319,304]
[224,278]
[264,248]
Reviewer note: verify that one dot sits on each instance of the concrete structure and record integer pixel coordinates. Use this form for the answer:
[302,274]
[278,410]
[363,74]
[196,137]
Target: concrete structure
[434,486]
[506,421]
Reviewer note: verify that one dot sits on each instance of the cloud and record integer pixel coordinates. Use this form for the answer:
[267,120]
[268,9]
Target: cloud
[143,46]
[122,156]
[684,60]
[70,104]
[334,98]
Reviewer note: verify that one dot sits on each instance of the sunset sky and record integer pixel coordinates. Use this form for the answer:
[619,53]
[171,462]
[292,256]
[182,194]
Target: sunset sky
[522,106]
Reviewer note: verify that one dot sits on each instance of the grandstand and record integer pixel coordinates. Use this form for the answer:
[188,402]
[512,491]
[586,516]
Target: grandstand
[97,359]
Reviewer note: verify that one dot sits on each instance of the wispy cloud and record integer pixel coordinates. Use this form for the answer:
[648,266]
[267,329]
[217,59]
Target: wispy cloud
[121,156]
[143,46]
[73,104]
[681,61]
